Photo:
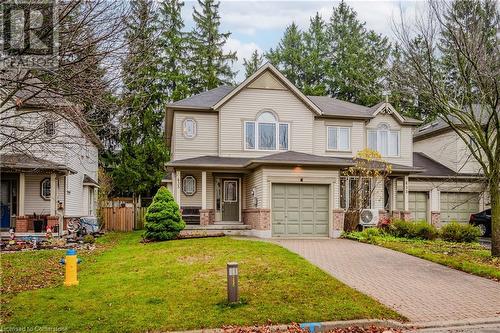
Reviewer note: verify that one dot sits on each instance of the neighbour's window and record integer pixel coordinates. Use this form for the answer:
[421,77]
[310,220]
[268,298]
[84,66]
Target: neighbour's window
[189,128]
[189,185]
[339,138]
[266,133]
[355,194]
[49,127]
[384,140]
[45,189]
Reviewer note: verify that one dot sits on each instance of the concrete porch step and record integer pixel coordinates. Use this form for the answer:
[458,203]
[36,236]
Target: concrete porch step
[221,227]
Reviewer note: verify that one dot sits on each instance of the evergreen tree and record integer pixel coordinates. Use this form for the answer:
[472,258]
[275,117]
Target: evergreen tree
[288,56]
[252,64]
[174,51]
[315,57]
[210,65]
[143,151]
[358,58]
[404,94]
[163,217]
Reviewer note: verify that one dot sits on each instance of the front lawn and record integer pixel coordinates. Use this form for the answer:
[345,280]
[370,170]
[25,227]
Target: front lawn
[180,285]
[468,257]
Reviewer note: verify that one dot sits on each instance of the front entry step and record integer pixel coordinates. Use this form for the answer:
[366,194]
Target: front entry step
[219,226]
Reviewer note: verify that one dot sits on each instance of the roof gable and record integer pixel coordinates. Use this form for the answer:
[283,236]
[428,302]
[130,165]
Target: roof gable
[278,78]
[387,108]
[267,81]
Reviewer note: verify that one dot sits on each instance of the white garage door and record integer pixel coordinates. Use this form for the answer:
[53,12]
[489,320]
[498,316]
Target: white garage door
[456,206]
[417,202]
[300,210]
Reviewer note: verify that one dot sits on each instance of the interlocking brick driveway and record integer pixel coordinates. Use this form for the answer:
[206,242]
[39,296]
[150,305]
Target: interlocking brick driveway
[418,289]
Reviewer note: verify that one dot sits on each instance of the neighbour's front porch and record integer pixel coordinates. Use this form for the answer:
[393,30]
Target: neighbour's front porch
[32,195]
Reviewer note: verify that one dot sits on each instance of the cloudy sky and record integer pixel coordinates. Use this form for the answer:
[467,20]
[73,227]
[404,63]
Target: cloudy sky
[260,24]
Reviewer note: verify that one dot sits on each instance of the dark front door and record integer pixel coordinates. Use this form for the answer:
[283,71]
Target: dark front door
[5,203]
[230,200]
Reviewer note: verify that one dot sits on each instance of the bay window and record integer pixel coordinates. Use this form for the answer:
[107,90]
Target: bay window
[384,140]
[339,138]
[266,133]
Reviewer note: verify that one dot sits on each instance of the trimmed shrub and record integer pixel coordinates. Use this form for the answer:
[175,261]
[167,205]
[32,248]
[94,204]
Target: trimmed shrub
[424,230]
[163,219]
[400,228]
[460,233]
[406,229]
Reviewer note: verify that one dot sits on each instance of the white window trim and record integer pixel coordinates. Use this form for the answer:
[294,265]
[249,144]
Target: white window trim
[377,131]
[348,191]
[44,197]
[195,185]
[328,138]
[195,124]
[256,135]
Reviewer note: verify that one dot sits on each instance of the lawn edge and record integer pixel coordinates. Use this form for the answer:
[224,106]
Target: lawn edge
[456,267]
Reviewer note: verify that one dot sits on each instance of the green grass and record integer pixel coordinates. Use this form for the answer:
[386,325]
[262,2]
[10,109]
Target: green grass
[468,257]
[180,285]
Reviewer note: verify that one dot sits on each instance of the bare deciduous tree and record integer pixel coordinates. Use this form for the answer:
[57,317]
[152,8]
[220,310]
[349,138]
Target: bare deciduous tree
[461,71]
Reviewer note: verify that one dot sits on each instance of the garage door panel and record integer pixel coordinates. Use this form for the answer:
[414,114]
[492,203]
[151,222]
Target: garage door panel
[417,203]
[307,204]
[303,210]
[457,206]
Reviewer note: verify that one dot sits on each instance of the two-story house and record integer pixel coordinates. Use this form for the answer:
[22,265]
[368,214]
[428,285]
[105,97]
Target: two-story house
[451,188]
[48,160]
[264,155]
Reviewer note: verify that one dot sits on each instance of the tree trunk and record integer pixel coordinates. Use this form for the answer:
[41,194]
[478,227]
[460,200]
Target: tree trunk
[495,218]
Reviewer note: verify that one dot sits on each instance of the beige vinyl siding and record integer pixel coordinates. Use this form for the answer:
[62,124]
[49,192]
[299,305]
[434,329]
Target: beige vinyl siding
[296,174]
[205,141]
[321,136]
[267,81]
[195,200]
[442,148]
[466,162]
[406,138]
[253,181]
[248,104]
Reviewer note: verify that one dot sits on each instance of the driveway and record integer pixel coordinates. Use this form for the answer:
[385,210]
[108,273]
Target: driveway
[420,290]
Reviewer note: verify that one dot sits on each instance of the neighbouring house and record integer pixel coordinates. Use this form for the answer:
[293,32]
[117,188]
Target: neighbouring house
[48,160]
[451,188]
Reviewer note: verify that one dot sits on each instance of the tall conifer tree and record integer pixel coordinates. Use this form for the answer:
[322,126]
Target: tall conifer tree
[143,151]
[173,51]
[210,65]
[253,63]
[315,57]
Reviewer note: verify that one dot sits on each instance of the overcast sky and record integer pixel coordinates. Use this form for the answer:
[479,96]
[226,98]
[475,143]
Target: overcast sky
[260,24]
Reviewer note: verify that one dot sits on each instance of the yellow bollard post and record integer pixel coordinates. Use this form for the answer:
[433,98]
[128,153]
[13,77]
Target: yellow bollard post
[71,262]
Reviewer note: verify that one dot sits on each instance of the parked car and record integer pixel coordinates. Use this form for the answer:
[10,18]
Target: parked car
[483,221]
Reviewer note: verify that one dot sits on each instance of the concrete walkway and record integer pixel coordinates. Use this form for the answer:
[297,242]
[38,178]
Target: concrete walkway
[420,290]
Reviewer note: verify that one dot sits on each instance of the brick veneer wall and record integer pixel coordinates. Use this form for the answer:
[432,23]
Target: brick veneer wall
[406,215]
[207,216]
[257,218]
[436,218]
[338,222]
[22,223]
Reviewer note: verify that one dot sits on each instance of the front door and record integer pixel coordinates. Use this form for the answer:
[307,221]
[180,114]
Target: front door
[5,203]
[230,200]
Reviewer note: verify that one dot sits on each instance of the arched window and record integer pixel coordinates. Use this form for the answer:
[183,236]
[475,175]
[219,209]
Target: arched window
[45,189]
[266,133]
[384,140]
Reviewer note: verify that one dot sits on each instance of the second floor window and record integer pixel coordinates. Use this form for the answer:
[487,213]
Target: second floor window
[384,140]
[266,133]
[339,138]
[49,127]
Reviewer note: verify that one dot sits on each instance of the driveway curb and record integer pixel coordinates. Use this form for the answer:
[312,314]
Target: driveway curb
[329,325]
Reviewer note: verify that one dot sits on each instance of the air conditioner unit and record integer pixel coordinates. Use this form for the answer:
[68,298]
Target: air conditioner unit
[368,217]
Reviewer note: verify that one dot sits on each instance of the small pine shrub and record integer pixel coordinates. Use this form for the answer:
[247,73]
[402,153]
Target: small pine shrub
[163,219]
[424,230]
[460,233]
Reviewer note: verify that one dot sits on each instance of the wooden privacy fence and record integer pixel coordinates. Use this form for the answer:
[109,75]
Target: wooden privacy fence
[123,218]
